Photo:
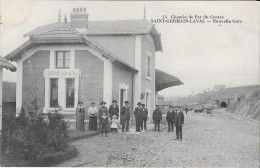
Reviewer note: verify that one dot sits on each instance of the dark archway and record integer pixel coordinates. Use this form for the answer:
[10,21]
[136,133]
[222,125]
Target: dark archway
[223,104]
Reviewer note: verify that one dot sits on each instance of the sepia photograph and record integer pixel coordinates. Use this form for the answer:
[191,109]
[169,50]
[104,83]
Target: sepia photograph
[129,83]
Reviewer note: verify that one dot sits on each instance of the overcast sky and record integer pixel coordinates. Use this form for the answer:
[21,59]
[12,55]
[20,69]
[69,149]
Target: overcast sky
[201,55]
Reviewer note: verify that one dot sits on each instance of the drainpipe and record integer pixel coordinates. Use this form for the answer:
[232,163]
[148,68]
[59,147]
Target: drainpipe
[133,106]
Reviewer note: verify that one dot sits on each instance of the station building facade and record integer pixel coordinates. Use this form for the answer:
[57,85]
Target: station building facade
[89,61]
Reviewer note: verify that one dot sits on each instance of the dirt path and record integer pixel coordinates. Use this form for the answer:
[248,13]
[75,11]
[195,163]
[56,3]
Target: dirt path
[216,140]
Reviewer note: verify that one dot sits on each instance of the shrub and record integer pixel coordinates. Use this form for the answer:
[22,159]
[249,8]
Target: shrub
[58,132]
[29,136]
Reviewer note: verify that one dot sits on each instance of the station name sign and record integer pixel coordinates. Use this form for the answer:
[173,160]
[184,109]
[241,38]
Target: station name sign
[61,73]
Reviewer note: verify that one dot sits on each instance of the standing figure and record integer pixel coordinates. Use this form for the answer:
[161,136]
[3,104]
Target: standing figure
[186,110]
[104,123]
[80,112]
[179,121]
[138,113]
[102,109]
[92,113]
[145,116]
[125,117]
[157,116]
[170,119]
[114,124]
[113,109]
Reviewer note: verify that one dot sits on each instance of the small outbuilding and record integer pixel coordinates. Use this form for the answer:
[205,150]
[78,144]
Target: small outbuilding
[7,65]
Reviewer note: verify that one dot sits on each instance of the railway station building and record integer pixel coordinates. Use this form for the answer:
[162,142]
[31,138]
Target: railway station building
[90,61]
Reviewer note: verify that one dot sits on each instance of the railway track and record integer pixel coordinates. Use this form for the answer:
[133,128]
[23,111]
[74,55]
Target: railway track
[154,141]
[163,149]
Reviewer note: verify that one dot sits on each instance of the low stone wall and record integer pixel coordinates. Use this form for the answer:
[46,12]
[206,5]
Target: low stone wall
[246,108]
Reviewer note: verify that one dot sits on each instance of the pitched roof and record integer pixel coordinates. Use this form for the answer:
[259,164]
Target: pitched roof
[109,27]
[102,27]
[164,80]
[6,64]
[119,27]
[64,34]
[64,31]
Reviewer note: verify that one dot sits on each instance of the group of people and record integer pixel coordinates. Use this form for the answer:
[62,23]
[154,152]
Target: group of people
[109,118]
[173,117]
[141,116]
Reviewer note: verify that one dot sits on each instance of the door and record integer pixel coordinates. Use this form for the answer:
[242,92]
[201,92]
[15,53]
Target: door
[122,99]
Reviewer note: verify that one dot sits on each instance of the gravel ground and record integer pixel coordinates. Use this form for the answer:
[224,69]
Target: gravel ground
[209,140]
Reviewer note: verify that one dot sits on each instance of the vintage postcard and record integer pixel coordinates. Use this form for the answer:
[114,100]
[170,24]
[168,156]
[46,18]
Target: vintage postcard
[129,83]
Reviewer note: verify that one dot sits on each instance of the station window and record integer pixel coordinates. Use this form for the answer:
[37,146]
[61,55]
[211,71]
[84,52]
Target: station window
[70,93]
[62,59]
[54,92]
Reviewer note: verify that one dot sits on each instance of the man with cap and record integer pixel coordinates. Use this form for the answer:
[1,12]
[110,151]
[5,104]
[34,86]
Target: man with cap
[145,116]
[138,113]
[102,109]
[179,121]
[113,109]
[170,119]
[157,116]
[125,112]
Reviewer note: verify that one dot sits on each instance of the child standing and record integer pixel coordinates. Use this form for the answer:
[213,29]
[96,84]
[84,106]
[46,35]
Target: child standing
[104,124]
[114,124]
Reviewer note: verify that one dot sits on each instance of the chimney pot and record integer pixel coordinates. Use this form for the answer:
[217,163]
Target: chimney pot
[79,18]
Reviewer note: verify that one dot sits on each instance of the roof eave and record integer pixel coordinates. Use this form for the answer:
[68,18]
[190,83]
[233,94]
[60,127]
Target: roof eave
[7,65]
[16,54]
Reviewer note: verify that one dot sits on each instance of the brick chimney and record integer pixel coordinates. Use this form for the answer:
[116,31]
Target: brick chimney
[79,18]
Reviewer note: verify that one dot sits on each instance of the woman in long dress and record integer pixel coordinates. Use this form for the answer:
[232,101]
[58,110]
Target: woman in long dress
[92,113]
[103,109]
[80,112]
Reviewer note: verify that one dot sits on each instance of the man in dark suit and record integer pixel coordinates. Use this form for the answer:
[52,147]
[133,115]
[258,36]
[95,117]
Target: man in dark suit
[179,121]
[138,113]
[113,109]
[157,116]
[170,119]
[145,116]
[125,117]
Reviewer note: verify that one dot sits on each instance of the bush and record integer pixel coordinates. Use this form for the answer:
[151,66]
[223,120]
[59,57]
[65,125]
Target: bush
[29,136]
[58,132]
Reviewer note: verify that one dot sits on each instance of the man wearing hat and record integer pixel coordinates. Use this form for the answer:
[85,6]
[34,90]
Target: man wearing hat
[170,119]
[157,116]
[125,112]
[179,121]
[138,113]
[145,117]
[113,109]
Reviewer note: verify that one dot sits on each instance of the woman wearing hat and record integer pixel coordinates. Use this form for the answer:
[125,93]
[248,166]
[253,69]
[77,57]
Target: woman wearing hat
[80,112]
[113,109]
[92,113]
[102,109]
